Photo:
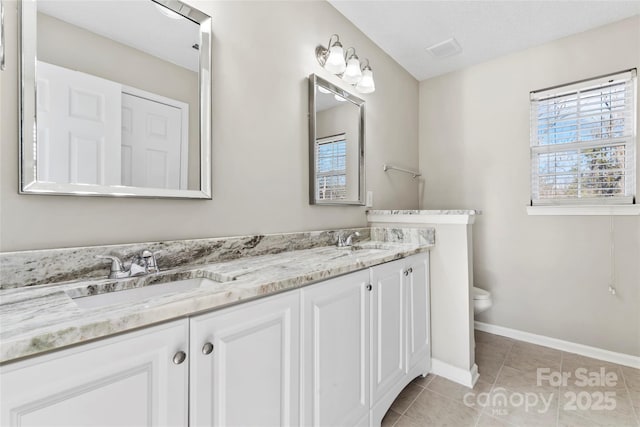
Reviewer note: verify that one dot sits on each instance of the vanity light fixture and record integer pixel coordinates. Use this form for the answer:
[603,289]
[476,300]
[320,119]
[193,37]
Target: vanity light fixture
[332,57]
[366,83]
[346,65]
[352,74]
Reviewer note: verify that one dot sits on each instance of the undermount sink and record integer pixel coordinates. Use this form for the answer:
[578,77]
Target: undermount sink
[141,293]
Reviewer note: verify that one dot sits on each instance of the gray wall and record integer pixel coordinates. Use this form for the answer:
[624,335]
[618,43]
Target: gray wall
[548,275]
[262,55]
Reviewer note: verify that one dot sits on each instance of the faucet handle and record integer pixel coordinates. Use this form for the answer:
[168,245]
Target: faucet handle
[116,264]
[151,263]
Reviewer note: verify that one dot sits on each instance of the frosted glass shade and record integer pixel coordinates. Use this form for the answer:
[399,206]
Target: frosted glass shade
[352,73]
[366,83]
[335,61]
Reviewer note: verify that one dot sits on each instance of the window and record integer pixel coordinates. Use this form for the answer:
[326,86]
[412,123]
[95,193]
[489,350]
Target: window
[331,171]
[583,142]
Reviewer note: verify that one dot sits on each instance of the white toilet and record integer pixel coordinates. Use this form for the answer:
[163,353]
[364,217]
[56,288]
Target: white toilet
[481,300]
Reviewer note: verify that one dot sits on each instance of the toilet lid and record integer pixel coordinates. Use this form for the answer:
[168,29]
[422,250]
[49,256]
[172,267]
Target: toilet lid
[480,293]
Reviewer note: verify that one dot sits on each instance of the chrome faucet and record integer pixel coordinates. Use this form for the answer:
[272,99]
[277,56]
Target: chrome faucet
[145,263]
[345,243]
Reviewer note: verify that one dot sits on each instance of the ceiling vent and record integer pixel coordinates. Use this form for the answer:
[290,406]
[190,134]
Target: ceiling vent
[446,48]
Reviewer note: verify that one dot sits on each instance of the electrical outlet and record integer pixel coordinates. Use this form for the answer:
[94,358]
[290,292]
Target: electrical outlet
[369,203]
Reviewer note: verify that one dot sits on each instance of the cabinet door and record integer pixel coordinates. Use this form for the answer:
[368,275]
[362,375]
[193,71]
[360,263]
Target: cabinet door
[418,345]
[251,377]
[335,352]
[388,328]
[129,380]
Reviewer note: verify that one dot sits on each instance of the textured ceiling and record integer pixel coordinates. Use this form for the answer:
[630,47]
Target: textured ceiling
[484,29]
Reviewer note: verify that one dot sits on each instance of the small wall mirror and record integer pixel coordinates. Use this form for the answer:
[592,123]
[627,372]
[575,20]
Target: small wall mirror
[115,98]
[336,145]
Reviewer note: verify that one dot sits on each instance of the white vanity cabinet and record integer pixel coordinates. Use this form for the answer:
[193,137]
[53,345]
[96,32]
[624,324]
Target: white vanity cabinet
[365,336]
[335,352]
[400,341]
[245,363]
[134,379]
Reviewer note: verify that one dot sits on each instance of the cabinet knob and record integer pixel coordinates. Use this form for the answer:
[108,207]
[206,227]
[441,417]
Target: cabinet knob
[369,287]
[406,272]
[411,270]
[207,348]
[179,357]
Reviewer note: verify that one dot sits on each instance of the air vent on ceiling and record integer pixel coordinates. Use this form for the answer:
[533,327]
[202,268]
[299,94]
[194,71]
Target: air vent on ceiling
[446,48]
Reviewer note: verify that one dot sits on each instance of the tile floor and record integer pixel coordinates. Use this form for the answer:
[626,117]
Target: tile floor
[508,392]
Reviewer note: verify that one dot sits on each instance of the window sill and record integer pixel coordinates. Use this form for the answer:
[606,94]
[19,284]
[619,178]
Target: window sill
[583,210]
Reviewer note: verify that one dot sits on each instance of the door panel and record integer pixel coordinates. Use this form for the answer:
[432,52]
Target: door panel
[388,323]
[335,352]
[252,376]
[152,133]
[79,123]
[129,380]
[418,345]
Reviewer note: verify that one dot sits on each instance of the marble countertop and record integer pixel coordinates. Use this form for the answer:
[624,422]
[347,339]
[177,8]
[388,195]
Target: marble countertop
[425,212]
[41,318]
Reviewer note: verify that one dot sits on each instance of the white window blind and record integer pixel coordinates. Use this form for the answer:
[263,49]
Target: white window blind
[583,142]
[331,170]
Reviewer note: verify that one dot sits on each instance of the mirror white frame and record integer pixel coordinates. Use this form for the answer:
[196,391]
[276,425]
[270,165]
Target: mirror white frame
[314,82]
[29,183]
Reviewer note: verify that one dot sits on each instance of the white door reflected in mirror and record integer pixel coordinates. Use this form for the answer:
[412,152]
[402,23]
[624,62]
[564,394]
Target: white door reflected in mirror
[116,97]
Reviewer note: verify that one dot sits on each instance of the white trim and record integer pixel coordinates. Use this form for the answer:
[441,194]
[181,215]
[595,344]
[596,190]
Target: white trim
[51,188]
[558,344]
[455,374]
[422,219]
[584,210]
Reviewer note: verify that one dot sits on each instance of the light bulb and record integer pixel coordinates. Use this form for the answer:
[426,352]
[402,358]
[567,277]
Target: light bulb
[366,83]
[335,60]
[352,73]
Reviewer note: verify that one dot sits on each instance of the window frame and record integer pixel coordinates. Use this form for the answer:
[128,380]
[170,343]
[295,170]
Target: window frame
[331,140]
[625,204]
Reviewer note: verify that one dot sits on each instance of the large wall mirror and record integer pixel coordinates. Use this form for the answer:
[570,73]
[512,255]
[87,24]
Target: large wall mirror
[336,145]
[115,98]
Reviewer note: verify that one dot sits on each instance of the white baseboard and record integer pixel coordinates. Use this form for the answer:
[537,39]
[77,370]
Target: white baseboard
[465,377]
[571,347]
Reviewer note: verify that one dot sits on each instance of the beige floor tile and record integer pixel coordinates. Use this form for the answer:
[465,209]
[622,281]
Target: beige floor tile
[571,362]
[491,350]
[592,403]
[571,419]
[431,409]
[406,398]
[390,418]
[423,381]
[408,422]
[525,347]
[530,358]
[488,368]
[489,421]
[631,377]
[516,380]
[524,407]
[495,340]
[634,395]
[459,392]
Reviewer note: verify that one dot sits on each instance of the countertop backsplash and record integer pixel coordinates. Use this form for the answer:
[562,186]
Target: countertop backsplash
[29,268]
